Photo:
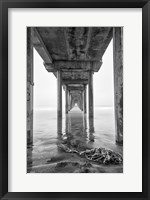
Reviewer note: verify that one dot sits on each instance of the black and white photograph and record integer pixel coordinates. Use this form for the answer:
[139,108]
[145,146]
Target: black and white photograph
[74,100]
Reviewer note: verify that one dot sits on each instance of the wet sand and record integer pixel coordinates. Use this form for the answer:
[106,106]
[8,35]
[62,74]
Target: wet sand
[76,132]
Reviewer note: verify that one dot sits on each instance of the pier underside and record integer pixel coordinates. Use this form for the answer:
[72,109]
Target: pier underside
[73,55]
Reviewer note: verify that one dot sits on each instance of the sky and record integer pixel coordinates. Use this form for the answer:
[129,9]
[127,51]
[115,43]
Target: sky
[45,83]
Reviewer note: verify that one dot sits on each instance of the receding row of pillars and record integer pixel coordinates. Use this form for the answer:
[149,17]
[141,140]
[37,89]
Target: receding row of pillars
[68,104]
[118,86]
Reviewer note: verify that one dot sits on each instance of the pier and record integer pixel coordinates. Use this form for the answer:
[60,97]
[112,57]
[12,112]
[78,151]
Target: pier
[73,55]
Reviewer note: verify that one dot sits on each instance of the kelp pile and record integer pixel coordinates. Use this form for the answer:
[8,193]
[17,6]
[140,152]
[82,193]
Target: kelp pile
[98,155]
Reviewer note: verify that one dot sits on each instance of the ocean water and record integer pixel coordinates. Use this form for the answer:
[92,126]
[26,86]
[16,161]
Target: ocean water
[76,129]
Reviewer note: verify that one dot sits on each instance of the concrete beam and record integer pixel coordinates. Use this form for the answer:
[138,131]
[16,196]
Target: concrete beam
[108,37]
[75,88]
[75,92]
[75,85]
[118,81]
[99,41]
[73,66]
[75,81]
[40,47]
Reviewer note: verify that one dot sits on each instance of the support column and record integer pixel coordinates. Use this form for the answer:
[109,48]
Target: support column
[81,102]
[84,123]
[82,105]
[72,103]
[69,101]
[29,86]
[59,127]
[67,107]
[118,81]
[84,100]
[91,109]
[68,125]
[91,130]
[59,94]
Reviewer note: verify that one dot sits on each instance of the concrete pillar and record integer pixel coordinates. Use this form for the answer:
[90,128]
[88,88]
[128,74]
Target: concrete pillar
[67,100]
[84,122]
[71,99]
[91,130]
[59,94]
[84,100]
[59,127]
[66,120]
[72,102]
[30,159]
[91,109]
[80,104]
[118,81]
[68,127]
[29,86]
[91,125]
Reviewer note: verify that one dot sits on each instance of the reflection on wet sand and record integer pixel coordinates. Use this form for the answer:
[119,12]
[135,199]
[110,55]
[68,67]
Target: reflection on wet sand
[78,134]
[75,130]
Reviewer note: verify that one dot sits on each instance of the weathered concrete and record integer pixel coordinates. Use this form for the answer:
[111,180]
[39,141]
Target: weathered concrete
[59,126]
[75,81]
[67,123]
[91,125]
[40,46]
[73,50]
[67,99]
[76,87]
[81,66]
[59,94]
[118,81]
[29,86]
[84,100]
[91,130]
[91,102]
[73,54]
[76,43]
[84,123]
[81,102]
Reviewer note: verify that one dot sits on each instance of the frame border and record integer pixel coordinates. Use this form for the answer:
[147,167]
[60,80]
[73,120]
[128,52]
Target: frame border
[4,6]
